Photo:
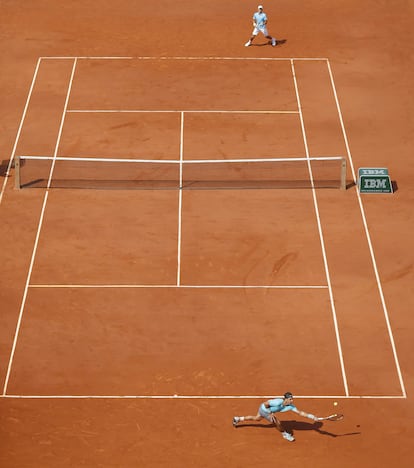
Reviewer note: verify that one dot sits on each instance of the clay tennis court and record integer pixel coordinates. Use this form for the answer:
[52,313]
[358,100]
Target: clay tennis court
[137,323]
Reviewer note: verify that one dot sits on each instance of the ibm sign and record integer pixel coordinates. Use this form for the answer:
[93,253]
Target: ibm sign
[374,180]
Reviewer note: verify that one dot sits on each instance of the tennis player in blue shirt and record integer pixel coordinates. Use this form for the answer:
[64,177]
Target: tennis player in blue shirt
[268,409]
[260,25]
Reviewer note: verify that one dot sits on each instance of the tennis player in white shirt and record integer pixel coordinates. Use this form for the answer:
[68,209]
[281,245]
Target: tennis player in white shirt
[260,25]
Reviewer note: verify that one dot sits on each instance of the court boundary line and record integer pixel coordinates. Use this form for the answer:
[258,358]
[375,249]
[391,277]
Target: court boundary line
[143,57]
[19,130]
[368,237]
[199,397]
[321,236]
[174,286]
[39,228]
[378,280]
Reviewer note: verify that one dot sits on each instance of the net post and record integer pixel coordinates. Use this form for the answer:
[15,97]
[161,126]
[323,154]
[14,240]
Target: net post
[343,174]
[17,173]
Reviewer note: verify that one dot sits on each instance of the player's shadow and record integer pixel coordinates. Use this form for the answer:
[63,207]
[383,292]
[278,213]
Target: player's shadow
[280,42]
[292,426]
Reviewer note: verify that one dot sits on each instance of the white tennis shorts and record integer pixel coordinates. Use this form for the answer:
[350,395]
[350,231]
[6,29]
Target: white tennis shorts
[264,413]
[261,29]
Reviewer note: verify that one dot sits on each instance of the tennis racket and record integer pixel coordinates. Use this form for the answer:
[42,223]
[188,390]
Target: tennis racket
[332,417]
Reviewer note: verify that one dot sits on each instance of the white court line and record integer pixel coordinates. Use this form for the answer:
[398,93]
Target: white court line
[371,250]
[172,111]
[274,59]
[180,199]
[362,211]
[6,178]
[322,242]
[70,57]
[173,286]
[22,306]
[198,397]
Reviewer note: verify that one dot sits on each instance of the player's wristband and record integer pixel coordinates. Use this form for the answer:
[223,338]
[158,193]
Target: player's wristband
[311,416]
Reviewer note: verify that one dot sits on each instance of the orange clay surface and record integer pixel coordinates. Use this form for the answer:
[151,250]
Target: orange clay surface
[114,301]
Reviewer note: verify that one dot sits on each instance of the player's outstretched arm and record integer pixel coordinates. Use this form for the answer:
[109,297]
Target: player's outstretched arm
[307,415]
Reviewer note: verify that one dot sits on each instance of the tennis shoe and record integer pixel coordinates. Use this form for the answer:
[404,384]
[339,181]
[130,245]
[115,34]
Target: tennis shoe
[248,43]
[236,419]
[288,436]
[274,42]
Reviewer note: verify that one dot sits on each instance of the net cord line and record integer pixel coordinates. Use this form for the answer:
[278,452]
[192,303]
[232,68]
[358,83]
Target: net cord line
[182,161]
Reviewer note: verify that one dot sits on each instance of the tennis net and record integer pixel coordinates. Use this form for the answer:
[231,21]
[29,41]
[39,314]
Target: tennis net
[96,173]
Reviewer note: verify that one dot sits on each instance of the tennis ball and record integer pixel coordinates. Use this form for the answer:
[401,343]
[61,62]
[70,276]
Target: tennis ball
[335,403]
